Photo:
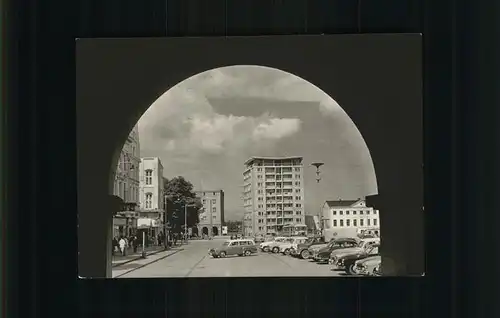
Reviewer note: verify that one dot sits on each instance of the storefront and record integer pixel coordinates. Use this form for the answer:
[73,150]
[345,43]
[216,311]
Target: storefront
[125,224]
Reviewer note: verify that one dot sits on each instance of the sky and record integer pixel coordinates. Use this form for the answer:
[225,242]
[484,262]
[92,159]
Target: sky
[208,125]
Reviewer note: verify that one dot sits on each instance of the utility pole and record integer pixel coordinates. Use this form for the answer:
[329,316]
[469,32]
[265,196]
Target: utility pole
[318,179]
[211,220]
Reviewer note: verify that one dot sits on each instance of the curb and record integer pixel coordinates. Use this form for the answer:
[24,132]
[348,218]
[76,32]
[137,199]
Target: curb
[137,258]
[146,264]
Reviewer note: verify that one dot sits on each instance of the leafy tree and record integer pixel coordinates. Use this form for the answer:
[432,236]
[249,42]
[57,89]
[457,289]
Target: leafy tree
[234,226]
[179,192]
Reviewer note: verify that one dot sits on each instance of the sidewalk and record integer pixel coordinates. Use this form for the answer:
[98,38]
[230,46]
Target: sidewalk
[131,256]
[137,263]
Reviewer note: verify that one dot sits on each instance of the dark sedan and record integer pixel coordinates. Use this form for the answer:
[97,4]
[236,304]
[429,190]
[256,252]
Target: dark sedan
[323,255]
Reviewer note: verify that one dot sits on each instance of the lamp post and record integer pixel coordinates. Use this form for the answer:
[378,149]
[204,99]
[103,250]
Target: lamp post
[318,179]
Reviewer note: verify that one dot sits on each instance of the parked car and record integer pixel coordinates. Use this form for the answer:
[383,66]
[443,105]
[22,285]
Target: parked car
[345,258]
[266,246]
[302,249]
[240,247]
[314,248]
[287,246]
[259,238]
[275,247]
[323,255]
[367,266]
[314,253]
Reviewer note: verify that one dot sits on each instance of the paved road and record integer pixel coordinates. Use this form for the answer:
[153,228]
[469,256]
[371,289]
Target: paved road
[194,261]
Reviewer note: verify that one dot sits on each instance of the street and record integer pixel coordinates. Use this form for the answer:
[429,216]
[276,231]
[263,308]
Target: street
[193,261]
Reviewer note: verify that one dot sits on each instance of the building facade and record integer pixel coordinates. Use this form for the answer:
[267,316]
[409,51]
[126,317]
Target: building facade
[151,194]
[126,185]
[349,218]
[273,194]
[212,213]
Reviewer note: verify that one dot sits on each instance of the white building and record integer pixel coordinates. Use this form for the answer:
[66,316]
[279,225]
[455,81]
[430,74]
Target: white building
[273,194]
[348,218]
[151,193]
[126,184]
[212,213]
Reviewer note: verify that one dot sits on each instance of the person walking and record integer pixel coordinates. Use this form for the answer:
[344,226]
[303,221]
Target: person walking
[115,245]
[122,244]
[135,243]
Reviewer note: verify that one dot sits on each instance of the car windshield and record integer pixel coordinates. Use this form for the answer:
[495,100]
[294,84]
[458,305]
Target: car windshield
[225,244]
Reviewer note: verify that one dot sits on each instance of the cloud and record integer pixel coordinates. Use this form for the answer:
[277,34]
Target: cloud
[276,128]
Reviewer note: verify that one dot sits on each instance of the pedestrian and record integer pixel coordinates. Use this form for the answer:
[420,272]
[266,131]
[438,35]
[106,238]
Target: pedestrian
[122,244]
[115,245]
[135,243]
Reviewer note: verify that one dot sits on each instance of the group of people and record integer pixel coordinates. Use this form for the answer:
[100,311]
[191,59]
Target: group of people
[122,243]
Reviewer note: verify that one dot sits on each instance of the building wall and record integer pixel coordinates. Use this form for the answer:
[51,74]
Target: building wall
[213,209]
[273,194]
[152,184]
[126,183]
[348,220]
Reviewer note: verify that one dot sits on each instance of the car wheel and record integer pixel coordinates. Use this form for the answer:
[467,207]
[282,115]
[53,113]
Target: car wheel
[287,251]
[350,269]
[247,253]
[240,254]
[304,254]
[276,250]
[266,249]
[222,254]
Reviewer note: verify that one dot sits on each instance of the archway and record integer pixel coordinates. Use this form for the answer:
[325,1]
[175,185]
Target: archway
[194,231]
[204,231]
[215,231]
[126,101]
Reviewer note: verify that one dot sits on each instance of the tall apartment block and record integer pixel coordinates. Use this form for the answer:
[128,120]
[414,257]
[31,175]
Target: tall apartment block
[273,194]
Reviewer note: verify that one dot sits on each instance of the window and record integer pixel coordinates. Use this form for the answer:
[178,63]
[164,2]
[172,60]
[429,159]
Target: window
[298,205]
[341,222]
[348,222]
[353,212]
[360,212]
[214,210]
[149,176]
[297,176]
[233,244]
[341,212]
[368,222]
[214,201]
[204,201]
[375,222]
[297,169]
[259,176]
[374,211]
[214,217]
[361,222]
[259,199]
[213,193]
[259,184]
[334,223]
[367,212]
[149,200]
[334,212]
[297,220]
[297,183]
[347,212]
[354,222]
[298,198]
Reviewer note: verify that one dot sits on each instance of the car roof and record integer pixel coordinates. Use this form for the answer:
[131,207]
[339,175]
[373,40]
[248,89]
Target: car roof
[239,240]
[371,239]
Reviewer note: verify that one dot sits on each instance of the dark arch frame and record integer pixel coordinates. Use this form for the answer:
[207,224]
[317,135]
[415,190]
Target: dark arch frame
[115,86]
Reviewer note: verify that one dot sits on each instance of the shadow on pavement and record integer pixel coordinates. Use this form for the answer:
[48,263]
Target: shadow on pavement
[129,266]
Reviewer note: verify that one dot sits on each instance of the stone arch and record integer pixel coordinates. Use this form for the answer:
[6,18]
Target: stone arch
[215,231]
[204,230]
[126,102]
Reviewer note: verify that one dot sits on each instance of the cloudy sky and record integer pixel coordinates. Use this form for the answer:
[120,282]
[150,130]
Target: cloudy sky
[205,128]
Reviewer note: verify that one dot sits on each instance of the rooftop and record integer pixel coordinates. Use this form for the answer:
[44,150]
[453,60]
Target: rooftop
[342,203]
[272,158]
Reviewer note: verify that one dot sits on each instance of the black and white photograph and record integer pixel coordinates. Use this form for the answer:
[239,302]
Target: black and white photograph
[288,156]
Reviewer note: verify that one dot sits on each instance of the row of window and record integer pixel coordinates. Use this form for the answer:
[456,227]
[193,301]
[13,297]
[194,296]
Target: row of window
[214,201]
[297,169]
[214,209]
[354,212]
[340,223]
[277,184]
[128,195]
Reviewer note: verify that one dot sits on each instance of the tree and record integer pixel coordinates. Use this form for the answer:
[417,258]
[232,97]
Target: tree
[233,226]
[179,192]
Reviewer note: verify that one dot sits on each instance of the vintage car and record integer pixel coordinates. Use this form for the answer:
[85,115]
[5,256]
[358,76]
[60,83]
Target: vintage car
[241,247]
[315,251]
[275,247]
[345,258]
[302,249]
[323,255]
[259,238]
[315,247]
[366,266]
[266,246]
[287,246]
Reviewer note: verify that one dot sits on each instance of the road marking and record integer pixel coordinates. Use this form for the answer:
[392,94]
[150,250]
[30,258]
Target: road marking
[152,262]
[194,267]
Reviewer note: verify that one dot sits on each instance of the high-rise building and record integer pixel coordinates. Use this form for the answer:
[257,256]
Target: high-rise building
[273,194]
[126,185]
[212,213]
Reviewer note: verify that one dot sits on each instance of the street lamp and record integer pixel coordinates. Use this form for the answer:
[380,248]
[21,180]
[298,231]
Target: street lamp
[186,205]
[318,178]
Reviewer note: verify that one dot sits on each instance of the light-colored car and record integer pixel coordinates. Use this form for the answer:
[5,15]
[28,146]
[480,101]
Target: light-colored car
[275,247]
[287,247]
[241,247]
[266,246]
[367,265]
